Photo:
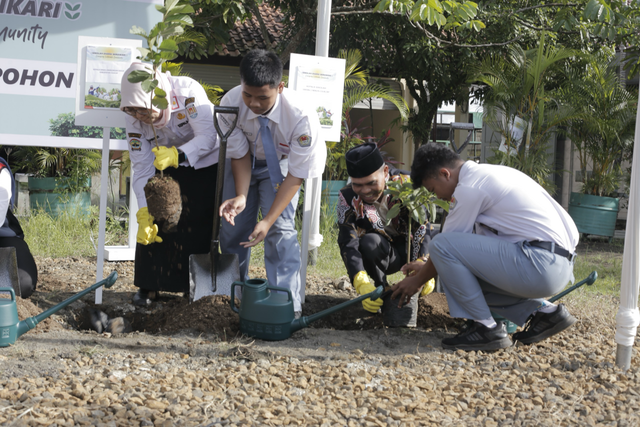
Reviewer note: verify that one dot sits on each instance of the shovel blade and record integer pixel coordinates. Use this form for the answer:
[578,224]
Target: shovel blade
[9,269]
[227,271]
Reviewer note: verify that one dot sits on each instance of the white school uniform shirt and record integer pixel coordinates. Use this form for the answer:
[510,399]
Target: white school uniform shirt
[295,130]
[5,193]
[503,202]
[190,129]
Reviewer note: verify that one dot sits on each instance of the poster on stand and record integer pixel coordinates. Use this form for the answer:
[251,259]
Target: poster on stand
[321,80]
[104,69]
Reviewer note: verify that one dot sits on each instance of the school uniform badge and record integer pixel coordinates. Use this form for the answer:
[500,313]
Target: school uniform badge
[452,204]
[135,145]
[174,103]
[181,116]
[304,140]
[191,108]
[135,135]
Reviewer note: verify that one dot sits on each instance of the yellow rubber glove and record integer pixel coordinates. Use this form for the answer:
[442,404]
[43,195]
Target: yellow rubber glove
[364,286]
[428,287]
[147,230]
[165,157]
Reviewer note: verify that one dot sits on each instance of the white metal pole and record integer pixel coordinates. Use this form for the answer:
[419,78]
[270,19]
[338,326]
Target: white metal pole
[311,205]
[628,316]
[104,185]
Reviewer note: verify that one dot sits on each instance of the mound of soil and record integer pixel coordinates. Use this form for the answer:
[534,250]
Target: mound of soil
[170,313]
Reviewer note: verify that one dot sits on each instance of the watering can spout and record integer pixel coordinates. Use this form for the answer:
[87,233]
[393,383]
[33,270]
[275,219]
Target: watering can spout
[304,321]
[30,323]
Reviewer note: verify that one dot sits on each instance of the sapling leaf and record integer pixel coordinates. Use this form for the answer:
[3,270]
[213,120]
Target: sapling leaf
[168,56]
[160,103]
[149,85]
[138,76]
[137,31]
[160,92]
[143,52]
[393,212]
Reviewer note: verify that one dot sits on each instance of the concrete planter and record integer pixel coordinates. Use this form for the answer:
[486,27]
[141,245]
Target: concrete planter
[595,215]
[46,194]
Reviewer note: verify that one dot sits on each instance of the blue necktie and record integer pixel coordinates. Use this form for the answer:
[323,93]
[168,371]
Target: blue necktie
[273,164]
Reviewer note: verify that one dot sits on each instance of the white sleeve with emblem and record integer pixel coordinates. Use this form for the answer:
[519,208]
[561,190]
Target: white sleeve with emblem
[308,153]
[141,159]
[200,112]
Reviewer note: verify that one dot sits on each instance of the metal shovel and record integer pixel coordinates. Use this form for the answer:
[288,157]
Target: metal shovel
[214,273]
[9,269]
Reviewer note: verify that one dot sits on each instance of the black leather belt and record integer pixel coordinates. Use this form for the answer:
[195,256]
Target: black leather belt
[552,247]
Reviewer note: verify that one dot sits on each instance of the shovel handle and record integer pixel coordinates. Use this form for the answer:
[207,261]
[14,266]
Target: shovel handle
[225,110]
[222,156]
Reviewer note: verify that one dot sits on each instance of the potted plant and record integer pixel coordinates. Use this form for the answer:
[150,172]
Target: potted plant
[357,89]
[603,135]
[60,178]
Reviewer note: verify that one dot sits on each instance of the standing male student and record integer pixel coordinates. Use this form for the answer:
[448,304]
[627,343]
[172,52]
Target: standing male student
[273,149]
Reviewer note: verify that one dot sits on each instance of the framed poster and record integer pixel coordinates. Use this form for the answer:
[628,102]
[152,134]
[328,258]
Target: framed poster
[322,79]
[105,66]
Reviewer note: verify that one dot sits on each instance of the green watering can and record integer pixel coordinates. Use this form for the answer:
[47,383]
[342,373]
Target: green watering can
[269,315]
[11,329]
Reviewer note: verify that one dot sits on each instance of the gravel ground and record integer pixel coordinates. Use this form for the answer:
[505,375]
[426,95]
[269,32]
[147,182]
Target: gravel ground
[319,376]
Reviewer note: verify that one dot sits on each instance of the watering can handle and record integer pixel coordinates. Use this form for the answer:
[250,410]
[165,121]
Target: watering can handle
[11,291]
[233,295]
[276,288]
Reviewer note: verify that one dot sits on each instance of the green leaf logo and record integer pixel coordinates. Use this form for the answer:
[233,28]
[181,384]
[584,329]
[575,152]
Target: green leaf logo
[72,8]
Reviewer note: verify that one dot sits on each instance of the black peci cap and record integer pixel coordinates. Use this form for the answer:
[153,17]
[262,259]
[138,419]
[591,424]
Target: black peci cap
[363,160]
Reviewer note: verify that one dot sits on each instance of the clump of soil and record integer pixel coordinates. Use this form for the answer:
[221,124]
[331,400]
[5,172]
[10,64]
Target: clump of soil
[26,308]
[164,201]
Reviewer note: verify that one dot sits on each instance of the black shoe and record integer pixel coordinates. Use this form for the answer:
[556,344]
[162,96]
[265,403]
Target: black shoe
[543,325]
[143,298]
[479,337]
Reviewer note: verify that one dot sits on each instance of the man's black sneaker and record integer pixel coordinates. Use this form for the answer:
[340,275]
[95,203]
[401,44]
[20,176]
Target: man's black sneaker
[479,337]
[143,298]
[543,325]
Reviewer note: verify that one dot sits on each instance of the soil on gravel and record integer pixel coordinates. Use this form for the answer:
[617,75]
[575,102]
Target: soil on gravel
[170,313]
[60,279]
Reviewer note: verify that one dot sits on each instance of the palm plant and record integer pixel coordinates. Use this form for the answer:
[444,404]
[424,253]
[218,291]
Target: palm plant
[603,133]
[357,89]
[519,94]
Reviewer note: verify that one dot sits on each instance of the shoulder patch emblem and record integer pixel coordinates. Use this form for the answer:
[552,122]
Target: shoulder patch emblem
[189,101]
[135,145]
[192,110]
[304,140]
[135,135]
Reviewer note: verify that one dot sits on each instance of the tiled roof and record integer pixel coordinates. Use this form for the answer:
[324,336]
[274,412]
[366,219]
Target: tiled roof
[247,35]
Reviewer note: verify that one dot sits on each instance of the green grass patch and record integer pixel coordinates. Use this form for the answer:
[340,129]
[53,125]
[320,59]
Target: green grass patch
[71,233]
